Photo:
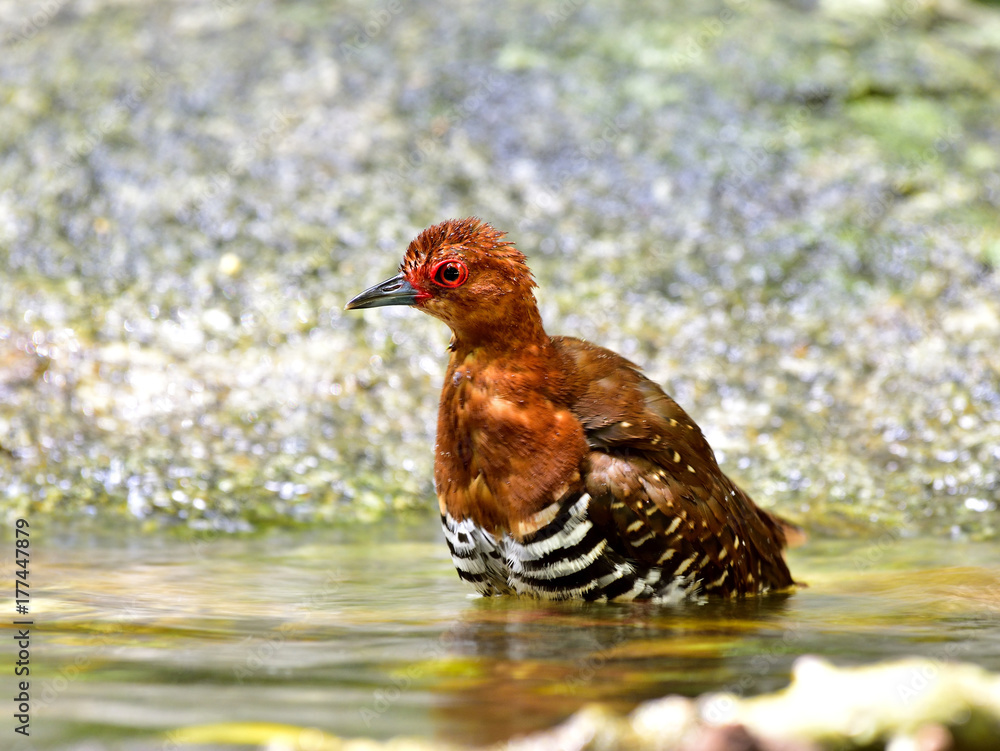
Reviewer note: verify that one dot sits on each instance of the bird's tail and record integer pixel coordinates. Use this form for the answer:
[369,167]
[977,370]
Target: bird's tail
[792,535]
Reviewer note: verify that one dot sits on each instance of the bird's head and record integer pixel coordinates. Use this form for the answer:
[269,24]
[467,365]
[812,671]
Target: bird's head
[463,272]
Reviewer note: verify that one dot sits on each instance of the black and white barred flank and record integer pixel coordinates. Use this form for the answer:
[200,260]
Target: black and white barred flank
[568,558]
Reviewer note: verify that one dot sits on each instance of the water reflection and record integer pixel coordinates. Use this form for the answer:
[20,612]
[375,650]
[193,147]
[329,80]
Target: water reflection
[371,634]
[539,662]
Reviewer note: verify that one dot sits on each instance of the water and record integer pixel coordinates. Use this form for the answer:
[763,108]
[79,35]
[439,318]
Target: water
[372,634]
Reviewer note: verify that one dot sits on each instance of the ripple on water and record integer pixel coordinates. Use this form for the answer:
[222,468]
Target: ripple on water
[372,634]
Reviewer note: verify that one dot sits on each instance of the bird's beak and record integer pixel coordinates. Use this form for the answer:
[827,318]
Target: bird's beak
[395,291]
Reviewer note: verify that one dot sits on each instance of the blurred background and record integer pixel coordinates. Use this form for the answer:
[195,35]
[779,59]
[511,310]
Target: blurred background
[788,213]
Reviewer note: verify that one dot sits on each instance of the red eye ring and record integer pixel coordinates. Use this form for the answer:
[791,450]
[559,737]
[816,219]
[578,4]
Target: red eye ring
[449,274]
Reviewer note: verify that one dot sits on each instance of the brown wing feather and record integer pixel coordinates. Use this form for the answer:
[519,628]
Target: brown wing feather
[656,482]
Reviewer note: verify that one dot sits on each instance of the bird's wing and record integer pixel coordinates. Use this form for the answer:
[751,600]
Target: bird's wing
[656,484]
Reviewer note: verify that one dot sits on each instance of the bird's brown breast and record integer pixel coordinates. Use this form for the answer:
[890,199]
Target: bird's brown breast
[506,450]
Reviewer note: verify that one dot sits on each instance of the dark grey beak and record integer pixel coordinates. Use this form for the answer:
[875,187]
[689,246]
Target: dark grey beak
[395,291]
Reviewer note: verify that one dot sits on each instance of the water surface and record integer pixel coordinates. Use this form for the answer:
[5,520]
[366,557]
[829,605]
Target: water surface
[370,633]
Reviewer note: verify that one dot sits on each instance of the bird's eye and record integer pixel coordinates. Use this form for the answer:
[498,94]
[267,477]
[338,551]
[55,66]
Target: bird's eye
[450,274]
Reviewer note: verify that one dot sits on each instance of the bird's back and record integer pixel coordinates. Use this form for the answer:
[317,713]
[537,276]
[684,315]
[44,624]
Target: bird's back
[655,486]
[648,515]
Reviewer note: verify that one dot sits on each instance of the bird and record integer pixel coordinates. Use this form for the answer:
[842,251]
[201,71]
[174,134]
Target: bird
[561,471]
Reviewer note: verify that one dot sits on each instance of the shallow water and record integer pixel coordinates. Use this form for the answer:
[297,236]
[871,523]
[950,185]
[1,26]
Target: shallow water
[371,634]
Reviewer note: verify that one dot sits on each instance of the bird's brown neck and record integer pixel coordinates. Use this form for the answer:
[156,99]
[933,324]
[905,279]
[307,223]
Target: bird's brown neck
[506,446]
[503,332]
